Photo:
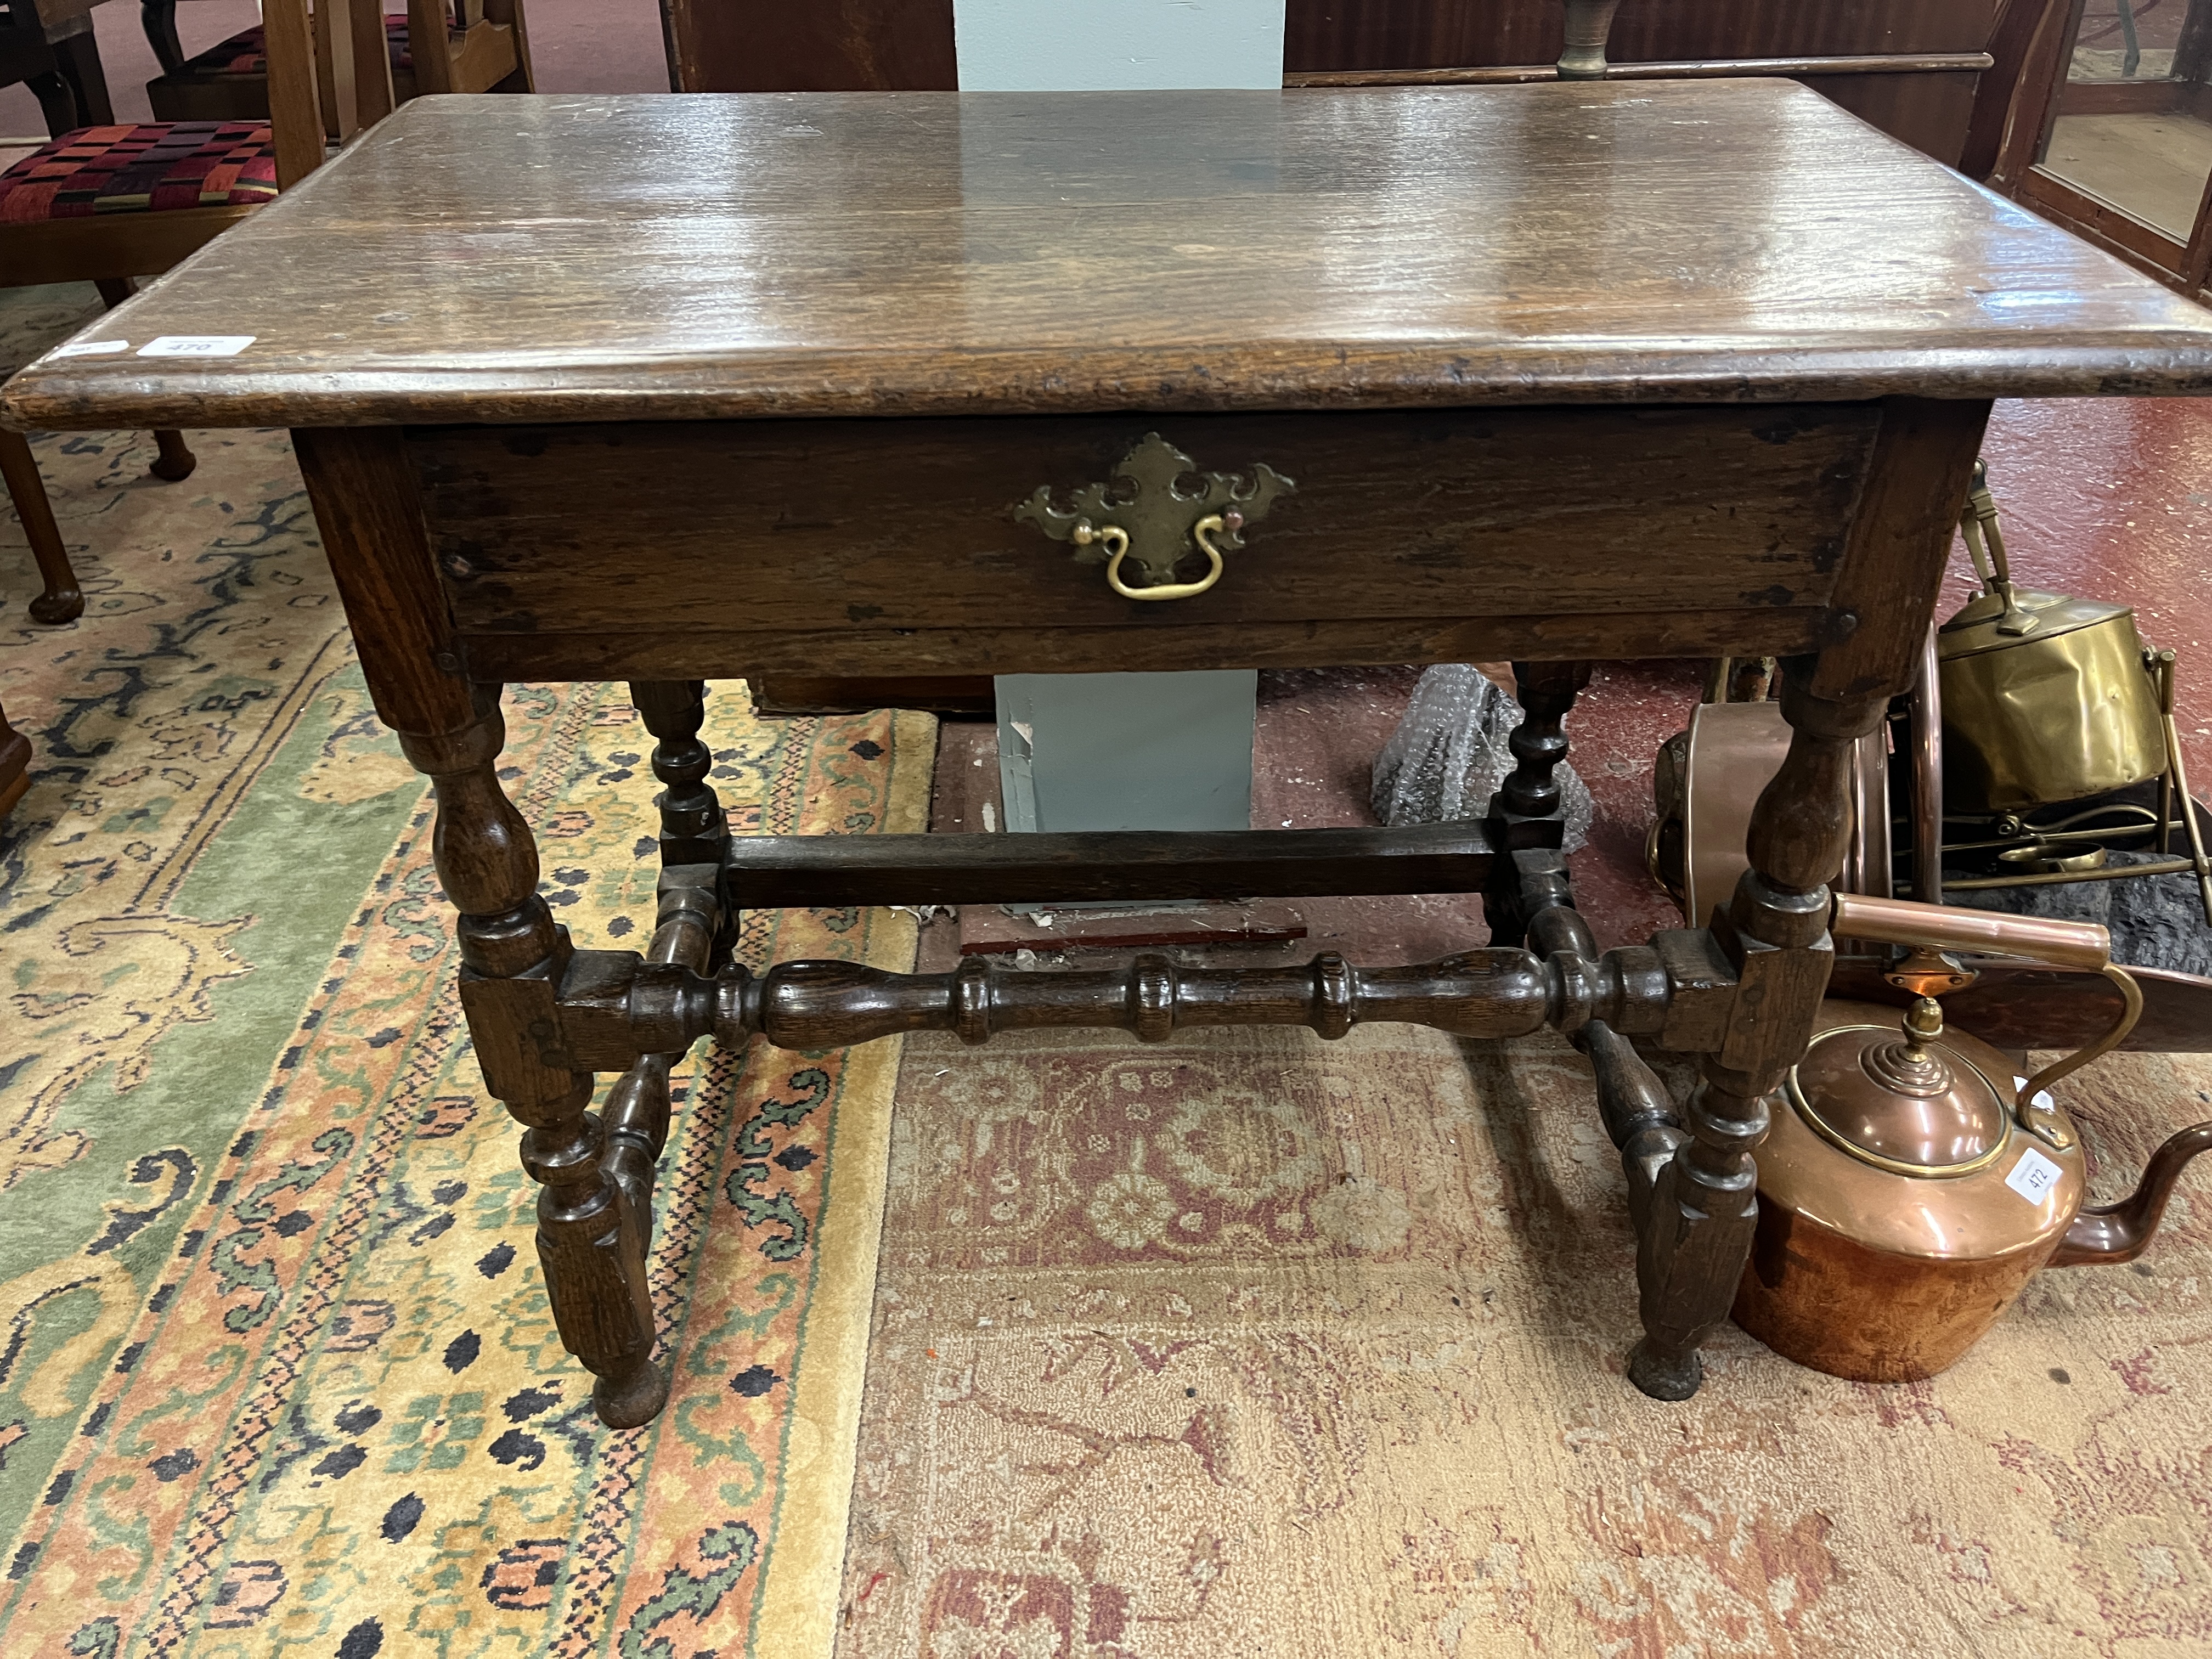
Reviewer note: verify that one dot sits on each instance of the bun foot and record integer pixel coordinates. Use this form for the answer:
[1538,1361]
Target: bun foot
[64,604]
[1662,1377]
[632,1399]
[175,462]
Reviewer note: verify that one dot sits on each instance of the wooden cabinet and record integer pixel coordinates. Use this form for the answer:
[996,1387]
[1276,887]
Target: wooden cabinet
[2112,135]
[1911,67]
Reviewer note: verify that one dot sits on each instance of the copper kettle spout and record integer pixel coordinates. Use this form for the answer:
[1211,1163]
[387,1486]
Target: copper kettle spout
[2120,1232]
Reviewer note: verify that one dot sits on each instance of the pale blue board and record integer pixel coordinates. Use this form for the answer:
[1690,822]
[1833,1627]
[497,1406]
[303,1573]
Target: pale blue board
[1117,45]
[1126,751]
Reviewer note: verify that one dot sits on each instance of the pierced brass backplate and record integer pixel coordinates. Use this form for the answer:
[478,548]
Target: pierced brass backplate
[1151,524]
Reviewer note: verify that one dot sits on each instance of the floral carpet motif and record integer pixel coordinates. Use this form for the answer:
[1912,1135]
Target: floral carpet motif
[278,1374]
[1259,1345]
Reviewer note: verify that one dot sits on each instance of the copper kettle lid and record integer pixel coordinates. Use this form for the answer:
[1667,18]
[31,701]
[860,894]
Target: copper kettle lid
[1910,1102]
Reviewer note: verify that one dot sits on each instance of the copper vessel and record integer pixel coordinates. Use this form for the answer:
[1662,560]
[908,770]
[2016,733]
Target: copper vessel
[1707,778]
[1912,1183]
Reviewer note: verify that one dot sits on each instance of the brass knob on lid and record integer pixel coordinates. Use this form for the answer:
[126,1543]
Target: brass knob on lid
[1912,1066]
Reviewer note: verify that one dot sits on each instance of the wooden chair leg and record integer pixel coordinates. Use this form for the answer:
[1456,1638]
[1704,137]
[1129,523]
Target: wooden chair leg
[57,101]
[159,19]
[62,601]
[14,764]
[175,463]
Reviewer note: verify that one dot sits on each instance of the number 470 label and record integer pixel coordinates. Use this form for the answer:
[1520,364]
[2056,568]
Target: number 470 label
[2033,1177]
[196,345]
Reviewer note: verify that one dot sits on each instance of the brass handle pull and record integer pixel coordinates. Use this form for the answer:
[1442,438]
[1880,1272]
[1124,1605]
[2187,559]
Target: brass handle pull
[1147,517]
[1117,540]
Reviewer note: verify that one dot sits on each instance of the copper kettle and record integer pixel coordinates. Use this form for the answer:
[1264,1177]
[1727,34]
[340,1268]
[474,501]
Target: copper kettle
[1912,1183]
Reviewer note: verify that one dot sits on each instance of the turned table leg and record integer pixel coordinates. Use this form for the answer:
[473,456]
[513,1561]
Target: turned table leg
[1699,1229]
[1695,1234]
[692,828]
[1530,882]
[591,1240]
[692,927]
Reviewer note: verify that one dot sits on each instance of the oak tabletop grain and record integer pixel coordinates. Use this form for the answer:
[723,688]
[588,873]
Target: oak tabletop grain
[497,259]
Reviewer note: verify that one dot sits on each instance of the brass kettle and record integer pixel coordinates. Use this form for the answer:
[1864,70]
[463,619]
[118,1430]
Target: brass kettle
[1912,1184]
[2045,698]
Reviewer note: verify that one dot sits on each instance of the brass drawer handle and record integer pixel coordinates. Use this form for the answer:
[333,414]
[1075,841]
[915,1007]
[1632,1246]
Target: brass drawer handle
[1117,549]
[1144,519]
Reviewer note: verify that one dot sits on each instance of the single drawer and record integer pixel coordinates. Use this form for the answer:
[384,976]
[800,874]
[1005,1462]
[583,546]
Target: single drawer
[892,545]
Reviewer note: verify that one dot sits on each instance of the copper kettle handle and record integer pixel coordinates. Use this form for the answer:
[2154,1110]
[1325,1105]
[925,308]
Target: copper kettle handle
[1950,927]
[2062,944]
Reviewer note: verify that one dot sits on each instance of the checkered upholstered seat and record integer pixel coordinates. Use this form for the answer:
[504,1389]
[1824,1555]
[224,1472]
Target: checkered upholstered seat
[246,52]
[97,171]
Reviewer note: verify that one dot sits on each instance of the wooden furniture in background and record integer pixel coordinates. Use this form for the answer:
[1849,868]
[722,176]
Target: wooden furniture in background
[315,96]
[2167,101]
[181,205]
[49,47]
[14,764]
[628,452]
[830,46]
[1911,67]
[483,46]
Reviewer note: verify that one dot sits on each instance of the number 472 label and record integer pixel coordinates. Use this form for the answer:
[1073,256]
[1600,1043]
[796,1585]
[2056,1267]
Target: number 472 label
[2033,1177]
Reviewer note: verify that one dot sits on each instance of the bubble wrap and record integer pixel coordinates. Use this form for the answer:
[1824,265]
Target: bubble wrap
[1449,755]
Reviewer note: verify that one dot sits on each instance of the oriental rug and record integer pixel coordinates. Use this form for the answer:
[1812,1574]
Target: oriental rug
[277,1375]
[1257,1346]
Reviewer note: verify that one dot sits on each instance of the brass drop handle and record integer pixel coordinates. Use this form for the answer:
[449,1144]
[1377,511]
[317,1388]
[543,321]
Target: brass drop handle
[1116,541]
[1977,522]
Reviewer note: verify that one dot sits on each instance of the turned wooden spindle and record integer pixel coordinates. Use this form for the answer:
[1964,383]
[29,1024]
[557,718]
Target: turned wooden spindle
[690,929]
[636,1117]
[591,1239]
[692,827]
[1529,882]
[1704,1206]
[615,1006]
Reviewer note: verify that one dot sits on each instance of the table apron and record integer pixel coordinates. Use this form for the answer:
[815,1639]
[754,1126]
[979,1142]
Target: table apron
[889,546]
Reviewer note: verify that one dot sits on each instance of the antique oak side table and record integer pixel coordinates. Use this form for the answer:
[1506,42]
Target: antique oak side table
[659,389]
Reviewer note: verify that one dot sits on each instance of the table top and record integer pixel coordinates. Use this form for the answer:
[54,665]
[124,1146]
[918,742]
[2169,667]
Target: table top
[504,259]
